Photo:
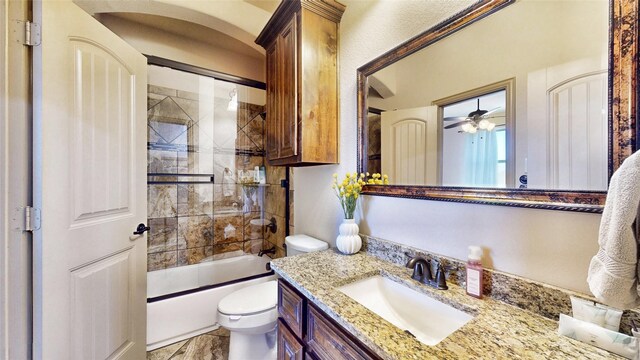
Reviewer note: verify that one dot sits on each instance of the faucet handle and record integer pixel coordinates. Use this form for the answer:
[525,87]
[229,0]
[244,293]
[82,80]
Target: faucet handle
[440,280]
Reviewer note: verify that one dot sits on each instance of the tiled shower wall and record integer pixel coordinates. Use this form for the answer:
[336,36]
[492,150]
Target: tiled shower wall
[193,219]
[374,147]
[275,208]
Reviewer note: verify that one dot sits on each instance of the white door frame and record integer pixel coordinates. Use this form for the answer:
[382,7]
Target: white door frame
[15,184]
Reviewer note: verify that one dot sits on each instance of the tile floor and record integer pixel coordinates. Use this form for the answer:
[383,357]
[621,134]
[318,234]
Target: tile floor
[213,345]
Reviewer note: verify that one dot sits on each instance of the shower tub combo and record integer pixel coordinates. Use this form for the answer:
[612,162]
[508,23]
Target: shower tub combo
[182,302]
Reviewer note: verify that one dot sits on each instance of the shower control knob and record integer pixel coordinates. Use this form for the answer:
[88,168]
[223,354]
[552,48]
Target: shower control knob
[141,229]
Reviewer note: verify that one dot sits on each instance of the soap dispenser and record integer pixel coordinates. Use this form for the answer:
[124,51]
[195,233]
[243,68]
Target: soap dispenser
[474,272]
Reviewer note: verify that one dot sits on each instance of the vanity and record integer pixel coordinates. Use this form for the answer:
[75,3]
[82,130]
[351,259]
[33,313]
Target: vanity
[318,321]
[305,331]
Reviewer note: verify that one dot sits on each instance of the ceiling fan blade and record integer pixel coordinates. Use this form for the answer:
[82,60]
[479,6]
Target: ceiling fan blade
[460,123]
[458,118]
[491,111]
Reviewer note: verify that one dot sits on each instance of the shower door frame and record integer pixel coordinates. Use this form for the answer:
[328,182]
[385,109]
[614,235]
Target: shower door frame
[197,70]
[216,75]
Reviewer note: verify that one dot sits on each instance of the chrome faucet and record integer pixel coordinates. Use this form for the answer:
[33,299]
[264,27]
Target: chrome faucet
[422,272]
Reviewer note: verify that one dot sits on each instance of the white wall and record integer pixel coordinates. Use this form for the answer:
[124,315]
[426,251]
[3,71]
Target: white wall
[549,246]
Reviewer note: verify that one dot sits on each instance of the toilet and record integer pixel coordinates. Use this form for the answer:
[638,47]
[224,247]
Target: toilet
[251,313]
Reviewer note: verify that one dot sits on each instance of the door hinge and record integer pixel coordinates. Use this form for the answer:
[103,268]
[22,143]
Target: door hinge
[26,219]
[27,33]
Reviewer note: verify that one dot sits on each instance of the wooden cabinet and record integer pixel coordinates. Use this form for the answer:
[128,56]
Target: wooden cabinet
[289,347]
[291,308]
[301,43]
[325,340]
[312,332]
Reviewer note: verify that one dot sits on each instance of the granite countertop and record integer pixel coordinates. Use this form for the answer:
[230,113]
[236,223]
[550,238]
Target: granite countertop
[497,331]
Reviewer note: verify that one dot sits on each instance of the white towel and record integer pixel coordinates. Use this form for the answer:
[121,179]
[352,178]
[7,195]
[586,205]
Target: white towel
[613,272]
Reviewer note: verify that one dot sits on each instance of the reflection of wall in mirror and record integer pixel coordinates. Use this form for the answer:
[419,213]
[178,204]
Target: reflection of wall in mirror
[495,49]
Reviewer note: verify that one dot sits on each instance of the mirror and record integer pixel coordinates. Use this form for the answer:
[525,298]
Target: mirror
[511,103]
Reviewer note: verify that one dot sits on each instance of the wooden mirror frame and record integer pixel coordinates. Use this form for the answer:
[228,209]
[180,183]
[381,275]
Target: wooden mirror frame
[623,102]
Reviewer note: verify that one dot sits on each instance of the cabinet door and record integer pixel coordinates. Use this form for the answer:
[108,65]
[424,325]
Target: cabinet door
[291,307]
[274,113]
[326,341]
[287,44]
[289,348]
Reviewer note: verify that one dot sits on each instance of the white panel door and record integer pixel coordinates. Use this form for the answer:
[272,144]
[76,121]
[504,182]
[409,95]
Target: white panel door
[567,126]
[409,146]
[90,183]
[578,132]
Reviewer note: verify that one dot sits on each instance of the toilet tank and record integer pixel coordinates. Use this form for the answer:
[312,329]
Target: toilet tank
[300,244]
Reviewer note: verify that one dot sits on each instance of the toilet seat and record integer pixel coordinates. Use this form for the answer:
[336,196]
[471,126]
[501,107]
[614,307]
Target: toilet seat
[251,310]
[259,323]
[252,299]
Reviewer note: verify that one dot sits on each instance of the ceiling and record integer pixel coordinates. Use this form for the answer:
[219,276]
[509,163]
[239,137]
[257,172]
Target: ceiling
[187,30]
[267,5]
[239,19]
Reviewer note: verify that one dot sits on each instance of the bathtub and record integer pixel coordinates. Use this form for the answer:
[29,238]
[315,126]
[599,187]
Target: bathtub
[182,302]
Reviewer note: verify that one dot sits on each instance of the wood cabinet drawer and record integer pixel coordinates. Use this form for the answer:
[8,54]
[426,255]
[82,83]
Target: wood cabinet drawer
[289,347]
[326,341]
[291,307]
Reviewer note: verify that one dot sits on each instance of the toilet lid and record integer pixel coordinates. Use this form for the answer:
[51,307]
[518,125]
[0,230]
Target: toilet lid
[305,243]
[250,300]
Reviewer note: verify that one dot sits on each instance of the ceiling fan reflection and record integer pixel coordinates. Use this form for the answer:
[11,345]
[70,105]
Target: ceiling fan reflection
[476,120]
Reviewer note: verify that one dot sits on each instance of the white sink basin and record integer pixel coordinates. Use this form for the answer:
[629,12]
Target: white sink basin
[429,320]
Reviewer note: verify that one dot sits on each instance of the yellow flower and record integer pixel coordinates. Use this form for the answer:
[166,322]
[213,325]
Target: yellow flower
[341,193]
[367,174]
[370,181]
[385,176]
[347,175]
[335,175]
[386,181]
[355,196]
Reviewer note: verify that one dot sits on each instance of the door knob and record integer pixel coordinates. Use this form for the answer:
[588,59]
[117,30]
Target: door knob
[141,229]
